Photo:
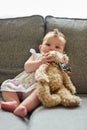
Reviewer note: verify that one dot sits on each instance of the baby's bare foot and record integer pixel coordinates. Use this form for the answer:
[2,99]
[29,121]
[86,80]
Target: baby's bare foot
[20,111]
[0,104]
[9,106]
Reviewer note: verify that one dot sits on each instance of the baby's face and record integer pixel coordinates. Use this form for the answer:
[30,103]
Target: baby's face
[52,43]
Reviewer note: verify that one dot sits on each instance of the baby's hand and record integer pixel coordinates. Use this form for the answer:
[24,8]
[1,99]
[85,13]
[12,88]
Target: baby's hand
[46,58]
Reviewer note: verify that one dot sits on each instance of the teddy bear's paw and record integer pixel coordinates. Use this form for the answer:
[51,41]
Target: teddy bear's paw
[73,90]
[73,101]
[51,101]
[56,99]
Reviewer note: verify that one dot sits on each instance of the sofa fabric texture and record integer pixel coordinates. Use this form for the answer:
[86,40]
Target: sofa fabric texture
[17,36]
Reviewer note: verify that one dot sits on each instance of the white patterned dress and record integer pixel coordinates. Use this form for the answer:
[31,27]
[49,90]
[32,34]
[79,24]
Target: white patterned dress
[23,82]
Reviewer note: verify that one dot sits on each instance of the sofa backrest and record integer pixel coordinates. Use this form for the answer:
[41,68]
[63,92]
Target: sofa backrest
[17,36]
[75,31]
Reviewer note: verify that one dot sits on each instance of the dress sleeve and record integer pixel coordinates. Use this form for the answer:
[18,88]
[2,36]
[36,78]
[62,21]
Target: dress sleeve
[34,53]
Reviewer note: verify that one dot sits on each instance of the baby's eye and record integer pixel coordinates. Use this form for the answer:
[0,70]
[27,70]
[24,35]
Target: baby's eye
[48,44]
[58,47]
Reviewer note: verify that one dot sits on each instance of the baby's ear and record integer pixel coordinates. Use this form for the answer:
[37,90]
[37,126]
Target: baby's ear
[65,59]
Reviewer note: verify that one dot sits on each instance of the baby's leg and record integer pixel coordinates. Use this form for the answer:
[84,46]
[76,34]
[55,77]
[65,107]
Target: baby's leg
[11,101]
[28,104]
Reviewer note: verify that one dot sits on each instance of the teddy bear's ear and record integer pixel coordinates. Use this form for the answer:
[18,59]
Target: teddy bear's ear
[65,59]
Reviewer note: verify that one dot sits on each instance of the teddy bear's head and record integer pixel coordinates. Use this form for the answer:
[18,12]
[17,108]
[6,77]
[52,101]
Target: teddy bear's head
[59,57]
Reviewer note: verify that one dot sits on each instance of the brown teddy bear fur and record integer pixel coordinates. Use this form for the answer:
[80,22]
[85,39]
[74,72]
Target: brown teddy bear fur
[54,84]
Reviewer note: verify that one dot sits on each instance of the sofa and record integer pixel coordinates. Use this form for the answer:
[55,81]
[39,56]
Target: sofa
[17,36]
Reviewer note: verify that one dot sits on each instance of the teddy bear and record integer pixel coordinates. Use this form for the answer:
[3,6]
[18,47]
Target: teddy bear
[54,84]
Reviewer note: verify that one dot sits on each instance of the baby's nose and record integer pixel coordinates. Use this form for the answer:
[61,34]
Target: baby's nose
[52,48]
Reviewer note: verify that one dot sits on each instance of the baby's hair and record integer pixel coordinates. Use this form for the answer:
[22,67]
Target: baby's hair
[55,33]
[58,33]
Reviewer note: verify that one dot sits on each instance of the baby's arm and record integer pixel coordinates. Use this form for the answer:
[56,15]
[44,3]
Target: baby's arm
[32,65]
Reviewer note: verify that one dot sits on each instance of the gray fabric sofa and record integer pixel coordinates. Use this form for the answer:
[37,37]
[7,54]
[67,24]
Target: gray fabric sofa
[17,36]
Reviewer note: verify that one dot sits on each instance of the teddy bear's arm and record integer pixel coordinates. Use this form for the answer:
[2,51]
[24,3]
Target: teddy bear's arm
[40,74]
[68,83]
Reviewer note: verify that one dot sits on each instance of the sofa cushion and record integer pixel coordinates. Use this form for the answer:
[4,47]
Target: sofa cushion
[17,36]
[11,122]
[75,31]
[60,118]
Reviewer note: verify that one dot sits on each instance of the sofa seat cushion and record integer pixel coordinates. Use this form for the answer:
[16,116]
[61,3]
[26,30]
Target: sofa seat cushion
[60,118]
[75,31]
[11,122]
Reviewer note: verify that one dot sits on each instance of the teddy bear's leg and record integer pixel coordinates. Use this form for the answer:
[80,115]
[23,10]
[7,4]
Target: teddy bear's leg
[48,99]
[67,99]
